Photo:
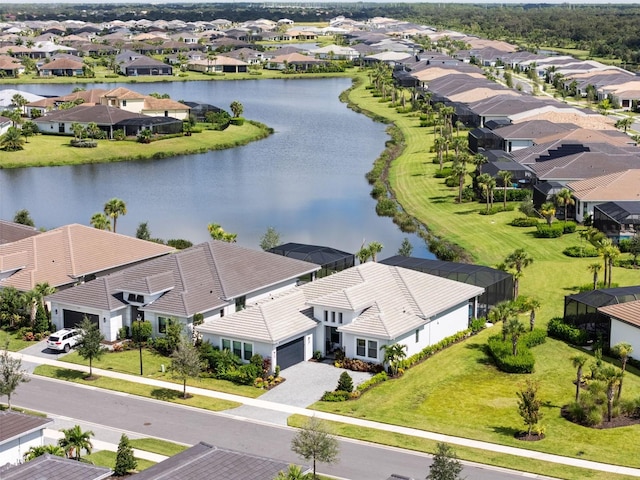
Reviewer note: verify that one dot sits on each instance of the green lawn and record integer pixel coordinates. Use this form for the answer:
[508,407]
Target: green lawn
[15,343]
[154,445]
[459,391]
[169,395]
[60,152]
[128,361]
[106,458]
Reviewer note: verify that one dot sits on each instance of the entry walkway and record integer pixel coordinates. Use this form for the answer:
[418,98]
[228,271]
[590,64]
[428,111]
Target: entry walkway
[289,409]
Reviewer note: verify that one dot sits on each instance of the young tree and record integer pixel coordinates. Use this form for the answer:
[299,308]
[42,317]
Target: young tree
[125,461]
[345,383]
[445,464]
[270,239]
[114,208]
[529,405]
[75,440]
[185,363]
[548,211]
[612,378]
[23,217]
[217,233]
[141,332]
[623,351]
[314,443]
[100,221]
[518,260]
[236,108]
[89,345]
[393,355]
[579,362]
[11,374]
[142,232]
[406,249]
[29,129]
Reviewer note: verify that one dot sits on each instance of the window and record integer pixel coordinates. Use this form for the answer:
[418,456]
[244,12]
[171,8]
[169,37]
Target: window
[373,349]
[360,347]
[248,351]
[237,348]
[241,302]
[326,316]
[162,325]
[340,317]
[333,317]
[124,103]
[221,312]
[417,335]
[226,344]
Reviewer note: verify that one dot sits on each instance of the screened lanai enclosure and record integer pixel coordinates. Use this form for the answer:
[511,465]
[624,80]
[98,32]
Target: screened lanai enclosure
[330,259]
[581,309]
[497,284]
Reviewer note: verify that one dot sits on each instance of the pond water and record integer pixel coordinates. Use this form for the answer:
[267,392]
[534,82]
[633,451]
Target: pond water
[306,180]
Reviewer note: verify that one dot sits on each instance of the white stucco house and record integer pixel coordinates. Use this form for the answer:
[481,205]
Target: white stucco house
[625,323]
[214,279]
[18,433]
[357,310]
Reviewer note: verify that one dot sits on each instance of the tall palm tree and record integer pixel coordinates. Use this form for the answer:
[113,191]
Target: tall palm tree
[374,249]
[548,210]
[458,144]
[100,221]
[393,355]
[114,208]
[459,171]
[532,305]
[32,300]
[612,377]
[578,361]
[623,351]
[564,198]
[439,143]
[478,160]
[595,268]
[75,440]
[518,260]
[487,183]
[43,289]
[505,177]
[515,329]
[363,254]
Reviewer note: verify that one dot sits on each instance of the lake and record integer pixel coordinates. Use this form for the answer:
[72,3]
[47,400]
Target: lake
[306,180]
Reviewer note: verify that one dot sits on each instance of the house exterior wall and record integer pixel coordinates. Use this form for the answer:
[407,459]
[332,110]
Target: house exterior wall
[13,451]
[623,332]
[110,322]
[179,114]
[514,145]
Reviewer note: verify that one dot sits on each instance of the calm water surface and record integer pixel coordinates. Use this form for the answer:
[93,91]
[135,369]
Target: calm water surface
[306,180]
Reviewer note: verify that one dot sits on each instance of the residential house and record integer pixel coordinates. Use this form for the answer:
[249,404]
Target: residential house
[5,124]
[357,310]
[296,61]
[207,461]
[624,320]
[63,67]
[10,67]
[18,433]
[214,279]
[12,232]
[335,52]
[219,64]
[51,467]
[7,94]
[68,255]
[135,102]
[617,220]
[133,63]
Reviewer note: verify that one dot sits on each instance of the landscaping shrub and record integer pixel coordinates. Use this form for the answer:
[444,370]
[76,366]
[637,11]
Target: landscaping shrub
[568,227]
[549,231]
[502,354]
[451,182]
[558,328]
[237,121]
[373,381]
[405,222]
[496,209]
[345,383]
[477,324]
[435,348]
[123,333]
[337,396]
[358,365]
[534,338]
[581,252]
[84,143]
[386,207]
[524,222]
[444,173]
[513,195]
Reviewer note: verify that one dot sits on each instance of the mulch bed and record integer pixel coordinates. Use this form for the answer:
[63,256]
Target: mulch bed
[619,421]
[525,437]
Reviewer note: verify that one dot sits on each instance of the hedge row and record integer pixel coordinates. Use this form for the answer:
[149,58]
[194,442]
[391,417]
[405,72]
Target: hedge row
[435,348]
[497,209]
[557,328]
[524,222]
[581,252]
[554,230]
[372,382]
[502,354]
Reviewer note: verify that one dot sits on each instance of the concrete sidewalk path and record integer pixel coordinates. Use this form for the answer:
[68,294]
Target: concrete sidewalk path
[278,407]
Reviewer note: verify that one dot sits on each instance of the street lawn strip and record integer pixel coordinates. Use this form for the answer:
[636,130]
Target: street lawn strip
[60,152]
[15,343]
[128,362]
[155,445]
[470,454]
[107,459]
[148,391]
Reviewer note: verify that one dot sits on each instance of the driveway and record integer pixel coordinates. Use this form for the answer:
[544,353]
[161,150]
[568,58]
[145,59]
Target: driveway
[40,349]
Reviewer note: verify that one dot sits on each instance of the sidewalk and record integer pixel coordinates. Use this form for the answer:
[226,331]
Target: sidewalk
[290,410]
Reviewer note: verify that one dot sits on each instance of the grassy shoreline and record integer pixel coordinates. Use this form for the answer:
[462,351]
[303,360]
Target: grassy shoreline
[60,152]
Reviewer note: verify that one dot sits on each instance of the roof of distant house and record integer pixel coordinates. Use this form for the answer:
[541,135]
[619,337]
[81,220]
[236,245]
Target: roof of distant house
[12,232]
[51,467]
[618,186]
[628,312]
[15,425]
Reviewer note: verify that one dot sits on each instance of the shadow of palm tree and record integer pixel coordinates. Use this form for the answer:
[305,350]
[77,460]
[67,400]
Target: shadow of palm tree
[165,394]
[69,374]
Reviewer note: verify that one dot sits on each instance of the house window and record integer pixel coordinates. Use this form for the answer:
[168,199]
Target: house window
[162,325]
[340,317]
[360,347]
[326,316]
[221,312]
[237,348]
[241,302]
[242,350]
[373,349]
[333,317]
[417,336]
[124,103]
[226,344]
[248,351]
[166,113]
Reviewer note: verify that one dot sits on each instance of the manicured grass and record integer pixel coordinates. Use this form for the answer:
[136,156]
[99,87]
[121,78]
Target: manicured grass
[154,445]
[128,361]
[169,395]
[106,458]
[464,453]
[60,152]
[15,343]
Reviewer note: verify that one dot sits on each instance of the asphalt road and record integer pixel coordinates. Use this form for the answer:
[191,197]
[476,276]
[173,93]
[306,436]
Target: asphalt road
[358,460]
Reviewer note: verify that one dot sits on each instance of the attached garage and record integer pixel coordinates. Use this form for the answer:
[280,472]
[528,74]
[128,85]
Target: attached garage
[73,318]
[290,353]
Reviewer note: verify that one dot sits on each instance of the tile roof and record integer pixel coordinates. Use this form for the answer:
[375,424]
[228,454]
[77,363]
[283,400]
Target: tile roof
[207,461]
[624,186]
[628,312]
[198,279]
[15,425]
[62,255]
[152,103]
[123,94]
[532,129]
[11,232]
[84,113]
[50,467]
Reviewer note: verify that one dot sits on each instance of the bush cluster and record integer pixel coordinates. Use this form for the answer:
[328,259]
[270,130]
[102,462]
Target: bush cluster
[555,230]
[581,252]
[497,209]
[524,222]
[236,121]
[433,349]
[502,355]
[558,328]
[84,143]
[357,365]
[513,195]
[386,207]
[372,382]
[444,173]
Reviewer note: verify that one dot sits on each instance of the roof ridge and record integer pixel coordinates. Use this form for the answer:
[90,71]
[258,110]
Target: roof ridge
[183,293]
[216,270]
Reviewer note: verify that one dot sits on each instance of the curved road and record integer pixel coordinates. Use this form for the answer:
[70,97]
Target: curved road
[358,460]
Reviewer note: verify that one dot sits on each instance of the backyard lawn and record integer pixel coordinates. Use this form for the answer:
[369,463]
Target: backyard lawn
[15,343]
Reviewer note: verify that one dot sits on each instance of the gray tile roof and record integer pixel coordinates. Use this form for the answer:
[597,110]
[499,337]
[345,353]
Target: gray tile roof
[204,461]
[50,467]
[14,424]
[99,114]
[11,232]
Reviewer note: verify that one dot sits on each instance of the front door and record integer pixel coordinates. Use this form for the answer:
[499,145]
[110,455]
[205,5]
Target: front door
[333,340]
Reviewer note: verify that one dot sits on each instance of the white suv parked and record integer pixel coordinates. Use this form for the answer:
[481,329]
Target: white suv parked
[63,339]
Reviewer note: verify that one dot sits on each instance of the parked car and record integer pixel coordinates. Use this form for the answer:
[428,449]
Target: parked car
[64,339]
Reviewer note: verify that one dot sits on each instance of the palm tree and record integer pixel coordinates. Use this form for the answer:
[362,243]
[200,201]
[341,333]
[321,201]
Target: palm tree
[612,252]
[114,208]
[502,312]
[623,351]
[218,233]
[518,260]
[39,450]
[548,210]
[32,300]
[75,440]
[439,143]
[578,361]
[294,472]
[458,144]
[374,249]
[487,183]
[532,305]
[459,171]
[12,140]
[595,268]
[624,123]
[236,108]
[505,177]
[478,160]
[43,289]
[515,329]
[100,221]
[612,377]
[393,355]
[363,254]
[564,198]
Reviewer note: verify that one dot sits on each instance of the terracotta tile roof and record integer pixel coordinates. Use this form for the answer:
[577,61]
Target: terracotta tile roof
[628,312]
[123,94]
[9,63]
[62,255]
[152,103]
[11,232]
[618,186]
[15,424]
[63,64]
[91,96]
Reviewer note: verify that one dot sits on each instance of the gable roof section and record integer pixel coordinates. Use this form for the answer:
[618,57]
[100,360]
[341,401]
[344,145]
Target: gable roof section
[84,113]
[624,186]
[50,467]
[15,425]
[62,255]
[12,232]
[628,312]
